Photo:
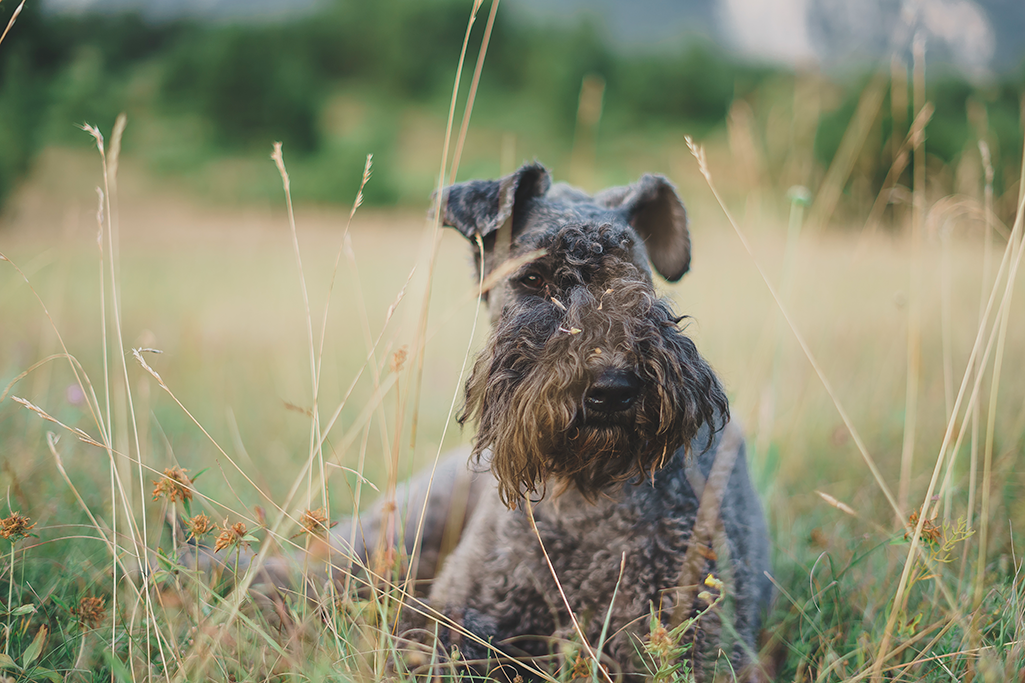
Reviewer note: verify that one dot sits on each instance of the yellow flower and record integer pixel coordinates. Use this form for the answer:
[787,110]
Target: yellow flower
[713,582]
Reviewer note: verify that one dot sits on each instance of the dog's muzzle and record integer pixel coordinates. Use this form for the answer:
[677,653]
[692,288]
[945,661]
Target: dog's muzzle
[613,392]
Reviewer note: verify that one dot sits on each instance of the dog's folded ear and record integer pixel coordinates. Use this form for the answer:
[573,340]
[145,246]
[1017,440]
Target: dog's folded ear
[480,207]
[655,211]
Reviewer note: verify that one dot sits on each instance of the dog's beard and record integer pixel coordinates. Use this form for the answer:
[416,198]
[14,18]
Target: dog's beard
[526,396]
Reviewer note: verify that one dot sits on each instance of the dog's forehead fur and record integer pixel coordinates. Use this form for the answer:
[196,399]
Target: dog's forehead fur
[649,210]
[576,232]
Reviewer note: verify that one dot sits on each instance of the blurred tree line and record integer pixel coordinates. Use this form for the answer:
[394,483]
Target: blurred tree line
[230,89]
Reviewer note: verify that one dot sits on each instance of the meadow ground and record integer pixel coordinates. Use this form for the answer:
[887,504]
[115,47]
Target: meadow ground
[217,291]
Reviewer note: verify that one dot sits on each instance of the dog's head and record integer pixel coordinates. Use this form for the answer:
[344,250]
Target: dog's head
[586,378]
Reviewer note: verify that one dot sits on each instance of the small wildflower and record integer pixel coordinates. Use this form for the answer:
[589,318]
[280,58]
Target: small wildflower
[660,642]
[199,526]
[713,582]
[90,612]
[232,535]
[174,485]
[581,668]
[15,527]
[314,522]
[706,597]
[398,359]
[931,533]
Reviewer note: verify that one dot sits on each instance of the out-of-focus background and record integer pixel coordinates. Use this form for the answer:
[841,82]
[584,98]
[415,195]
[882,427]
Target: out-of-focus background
[207,83]
[826,123]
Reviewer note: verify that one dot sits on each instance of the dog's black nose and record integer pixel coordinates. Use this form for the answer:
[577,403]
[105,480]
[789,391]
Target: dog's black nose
[613,392]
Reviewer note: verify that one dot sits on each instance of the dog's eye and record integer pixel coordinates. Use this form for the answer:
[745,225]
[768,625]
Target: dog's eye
[532,281]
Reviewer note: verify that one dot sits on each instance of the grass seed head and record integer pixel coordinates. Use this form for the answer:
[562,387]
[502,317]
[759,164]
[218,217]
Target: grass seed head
[15,527]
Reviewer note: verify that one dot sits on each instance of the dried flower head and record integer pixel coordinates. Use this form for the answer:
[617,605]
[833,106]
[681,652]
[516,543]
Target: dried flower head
[931,534]
[314,522]
[174,485]
[398,359]
[90,612]
[199,526]
[15,527]
[581,668]
[231,535]
[660,641]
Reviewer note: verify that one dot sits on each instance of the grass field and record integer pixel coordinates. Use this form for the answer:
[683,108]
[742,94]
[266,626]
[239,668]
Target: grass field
[218,291]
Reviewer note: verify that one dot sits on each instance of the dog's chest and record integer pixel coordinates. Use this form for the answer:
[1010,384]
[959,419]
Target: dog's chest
[631,545]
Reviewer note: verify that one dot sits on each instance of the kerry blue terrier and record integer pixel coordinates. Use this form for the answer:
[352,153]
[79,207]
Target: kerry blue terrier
[606,481]
[614,463]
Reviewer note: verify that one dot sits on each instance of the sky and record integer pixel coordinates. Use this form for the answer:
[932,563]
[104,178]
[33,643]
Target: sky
[978,37]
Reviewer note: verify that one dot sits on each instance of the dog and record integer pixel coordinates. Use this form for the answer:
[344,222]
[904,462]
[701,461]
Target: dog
[605,481]
[607,437]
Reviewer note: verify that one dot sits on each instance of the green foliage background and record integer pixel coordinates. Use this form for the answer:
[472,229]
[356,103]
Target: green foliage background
[215,91]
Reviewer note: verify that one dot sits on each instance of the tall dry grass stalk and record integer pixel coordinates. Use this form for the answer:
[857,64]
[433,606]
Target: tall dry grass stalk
[987,164]
[884,652]
[591,652]
[420,342]
[850,146]
[123,413]
[915,138]
[585,133]
[10,23]
[420,345]
[914,347]
[699,155]
[1009,264]
[898,105]
[471,96]
[987,467]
